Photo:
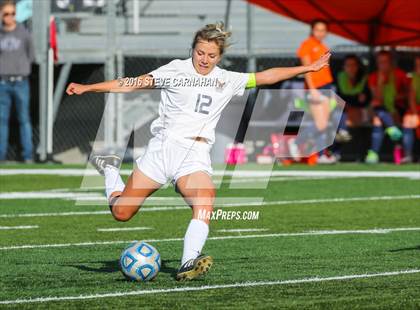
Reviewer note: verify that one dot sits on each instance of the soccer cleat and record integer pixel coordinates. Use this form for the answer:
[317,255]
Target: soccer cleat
[326,160]
[394,133]
[407,159]
[194,268]
[372,157]
[101,162]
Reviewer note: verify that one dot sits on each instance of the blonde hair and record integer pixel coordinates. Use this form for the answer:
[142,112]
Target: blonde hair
[213,33]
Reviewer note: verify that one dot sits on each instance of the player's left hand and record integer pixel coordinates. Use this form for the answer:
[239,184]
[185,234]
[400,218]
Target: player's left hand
[321,62]
[75,89]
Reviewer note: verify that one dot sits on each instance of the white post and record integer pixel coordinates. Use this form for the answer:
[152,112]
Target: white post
[136,16]
[252,63]
[50,101]
[111,43]
[40,19]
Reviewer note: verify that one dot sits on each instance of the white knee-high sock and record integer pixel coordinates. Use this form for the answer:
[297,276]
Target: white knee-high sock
[113,181]
[194,239]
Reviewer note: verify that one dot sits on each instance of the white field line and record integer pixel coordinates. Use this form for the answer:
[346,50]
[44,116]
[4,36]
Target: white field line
[83,194]
[56,172]
[242,230]
[99,198]
[246,176]
[266,179]
[221,205]
[218,180]
[18,227]
[51,195]
[274,235]
[234,173]
[123,229]
[75,213]
[315,201]
[209,287]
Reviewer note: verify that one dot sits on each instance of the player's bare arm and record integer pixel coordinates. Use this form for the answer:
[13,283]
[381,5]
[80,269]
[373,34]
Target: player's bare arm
[306,61]
[275,75]
[121,85]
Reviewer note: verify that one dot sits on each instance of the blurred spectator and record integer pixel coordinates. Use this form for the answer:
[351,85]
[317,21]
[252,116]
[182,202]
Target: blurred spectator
[353,88]
[411,121]
[16,55]
[319,104]
[389,87]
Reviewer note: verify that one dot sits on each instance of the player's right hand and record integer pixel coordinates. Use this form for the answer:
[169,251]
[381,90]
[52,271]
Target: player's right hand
[75,89]
[321,62]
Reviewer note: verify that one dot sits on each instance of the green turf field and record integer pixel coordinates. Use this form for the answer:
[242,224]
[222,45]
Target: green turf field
[320,241]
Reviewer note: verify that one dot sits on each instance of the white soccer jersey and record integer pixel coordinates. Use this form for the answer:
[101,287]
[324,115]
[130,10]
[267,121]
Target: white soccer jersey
[191,103]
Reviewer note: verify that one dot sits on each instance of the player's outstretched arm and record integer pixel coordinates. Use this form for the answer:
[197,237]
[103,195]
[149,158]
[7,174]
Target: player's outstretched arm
[275,75]
[122,85]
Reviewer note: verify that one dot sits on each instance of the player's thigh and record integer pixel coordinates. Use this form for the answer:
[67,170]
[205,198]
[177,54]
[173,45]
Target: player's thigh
[321,114]
[197,189]
[138,188]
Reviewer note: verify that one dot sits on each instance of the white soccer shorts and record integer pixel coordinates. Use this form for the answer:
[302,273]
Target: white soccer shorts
[169,159]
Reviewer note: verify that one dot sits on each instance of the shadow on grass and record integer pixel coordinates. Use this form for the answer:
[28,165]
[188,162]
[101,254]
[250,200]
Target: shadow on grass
[406,249]
[107,266]
[114,266]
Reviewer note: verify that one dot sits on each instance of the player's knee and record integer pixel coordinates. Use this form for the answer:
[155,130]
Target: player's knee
[121,214]
[122,217]
[377,121]
[410,121]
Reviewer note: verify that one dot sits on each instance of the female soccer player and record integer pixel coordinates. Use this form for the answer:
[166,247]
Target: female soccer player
[411,120]
[194,92]
[353,88]
[310,50]
[389,87]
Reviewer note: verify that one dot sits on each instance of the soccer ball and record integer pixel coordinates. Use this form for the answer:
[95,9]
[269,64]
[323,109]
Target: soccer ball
[140,262]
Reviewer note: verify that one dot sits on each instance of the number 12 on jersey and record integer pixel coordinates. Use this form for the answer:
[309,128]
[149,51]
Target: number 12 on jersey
[203,102]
